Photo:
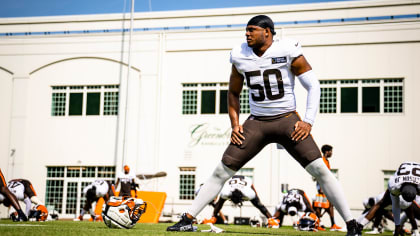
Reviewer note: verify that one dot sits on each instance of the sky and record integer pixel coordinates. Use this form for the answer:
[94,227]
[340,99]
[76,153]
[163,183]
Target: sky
[25,8]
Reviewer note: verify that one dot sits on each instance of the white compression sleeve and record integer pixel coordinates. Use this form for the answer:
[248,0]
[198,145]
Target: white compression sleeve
[311,84]
[28,205]
[211,188]
[330,186]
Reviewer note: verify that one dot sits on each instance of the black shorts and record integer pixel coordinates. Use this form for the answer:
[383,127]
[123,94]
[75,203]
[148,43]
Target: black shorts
[125,190]
[261,131]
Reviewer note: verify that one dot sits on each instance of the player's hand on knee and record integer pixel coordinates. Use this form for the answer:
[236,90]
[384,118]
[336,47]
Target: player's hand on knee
[237,135]
[302,130]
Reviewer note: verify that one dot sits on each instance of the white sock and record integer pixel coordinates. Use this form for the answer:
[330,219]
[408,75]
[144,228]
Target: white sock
[330,186]
[210,188]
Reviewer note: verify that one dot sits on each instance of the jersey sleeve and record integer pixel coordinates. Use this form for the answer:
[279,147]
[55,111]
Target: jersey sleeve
[394,188]
[295,49]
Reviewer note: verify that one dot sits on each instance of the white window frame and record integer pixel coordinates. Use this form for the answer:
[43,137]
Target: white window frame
[360,85]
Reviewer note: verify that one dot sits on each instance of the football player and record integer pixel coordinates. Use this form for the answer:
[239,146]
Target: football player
[295,203]
[24,191]
[269,68]
[380,214]
[127,182]
[92,192]
[327,151]
[412,213]
[238,189]
[405,183]
[7,198]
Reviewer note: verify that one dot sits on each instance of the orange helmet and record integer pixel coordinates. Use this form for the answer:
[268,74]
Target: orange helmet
[308,222]
[126,168]
[42,213]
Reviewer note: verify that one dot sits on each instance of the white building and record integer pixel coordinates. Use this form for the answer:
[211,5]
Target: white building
[61,78]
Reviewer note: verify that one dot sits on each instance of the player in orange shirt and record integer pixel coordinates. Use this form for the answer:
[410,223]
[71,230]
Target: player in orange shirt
[321,201]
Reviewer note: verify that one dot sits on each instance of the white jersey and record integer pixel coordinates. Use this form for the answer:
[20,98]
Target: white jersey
[269,77]
[240,183]
[101,186]
[18,189]
[126,178]
[295,198]
[408,172]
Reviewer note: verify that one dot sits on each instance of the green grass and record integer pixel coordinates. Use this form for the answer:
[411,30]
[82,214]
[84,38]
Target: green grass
[64,228]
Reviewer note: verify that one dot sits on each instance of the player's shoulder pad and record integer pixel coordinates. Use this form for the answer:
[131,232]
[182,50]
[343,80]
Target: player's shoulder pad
[240,51]
[290,44]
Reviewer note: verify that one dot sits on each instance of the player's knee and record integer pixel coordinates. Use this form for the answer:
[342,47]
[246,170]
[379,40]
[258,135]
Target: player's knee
[222,172]
[318,169]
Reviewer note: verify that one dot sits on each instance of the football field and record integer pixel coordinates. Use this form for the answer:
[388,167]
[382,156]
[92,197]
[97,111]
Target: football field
[64,228]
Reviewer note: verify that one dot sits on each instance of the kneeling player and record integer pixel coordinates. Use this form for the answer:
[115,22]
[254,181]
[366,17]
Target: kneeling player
[92,192]
[239,189]
[405,182]
[380,214]
[7,198]
[293,203]
[24,191]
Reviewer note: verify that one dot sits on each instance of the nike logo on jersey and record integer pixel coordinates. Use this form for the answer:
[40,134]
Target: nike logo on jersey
[296,44]
[277,60]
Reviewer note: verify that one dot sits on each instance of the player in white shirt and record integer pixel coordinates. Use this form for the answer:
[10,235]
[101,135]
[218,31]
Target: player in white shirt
[127,182]
[239,189]
[269,68]
[24,191]
[295,204]
[8,198]
[405,183]
[380,215]
[92,192]
[413,215]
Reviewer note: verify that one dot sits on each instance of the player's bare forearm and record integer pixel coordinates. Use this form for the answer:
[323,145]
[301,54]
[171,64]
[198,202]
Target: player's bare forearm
[237,130]
[235,87]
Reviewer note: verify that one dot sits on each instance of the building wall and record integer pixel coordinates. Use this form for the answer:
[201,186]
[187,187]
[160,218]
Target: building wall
[159,138]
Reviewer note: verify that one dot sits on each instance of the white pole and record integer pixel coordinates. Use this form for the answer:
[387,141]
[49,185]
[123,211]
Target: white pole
[127,86]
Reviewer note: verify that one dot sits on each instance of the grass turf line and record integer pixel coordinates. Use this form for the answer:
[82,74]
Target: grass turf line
[70,228]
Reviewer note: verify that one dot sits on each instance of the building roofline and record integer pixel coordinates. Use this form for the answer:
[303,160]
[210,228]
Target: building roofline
[216,12]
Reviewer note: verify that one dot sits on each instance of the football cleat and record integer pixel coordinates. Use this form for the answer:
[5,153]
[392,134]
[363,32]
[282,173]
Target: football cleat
[335,228]
[354,228]
[185,224]
[273,223]
[211,220]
